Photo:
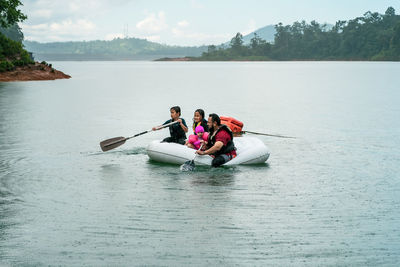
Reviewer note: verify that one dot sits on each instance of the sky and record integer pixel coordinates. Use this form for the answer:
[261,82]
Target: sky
[179,22]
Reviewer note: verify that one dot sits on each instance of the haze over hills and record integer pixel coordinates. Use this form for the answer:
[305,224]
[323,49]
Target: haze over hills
[129,48]
[125,48]
[117,49]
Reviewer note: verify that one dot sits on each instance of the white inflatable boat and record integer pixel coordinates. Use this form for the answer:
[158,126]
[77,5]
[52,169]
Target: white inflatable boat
[250,150]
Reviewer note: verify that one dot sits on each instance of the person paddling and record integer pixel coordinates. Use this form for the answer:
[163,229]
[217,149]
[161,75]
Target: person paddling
[220,142]
[177,131]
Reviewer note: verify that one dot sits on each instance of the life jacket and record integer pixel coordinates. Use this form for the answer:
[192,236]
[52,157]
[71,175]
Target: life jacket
[235,125]
[195,139]
[230,146]
[176,130]
[203,123]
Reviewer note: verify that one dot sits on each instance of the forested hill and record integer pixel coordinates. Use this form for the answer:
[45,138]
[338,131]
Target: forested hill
[373,36]
[117,49]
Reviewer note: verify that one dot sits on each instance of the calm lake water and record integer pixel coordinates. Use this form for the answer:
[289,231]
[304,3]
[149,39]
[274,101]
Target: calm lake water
[329,197]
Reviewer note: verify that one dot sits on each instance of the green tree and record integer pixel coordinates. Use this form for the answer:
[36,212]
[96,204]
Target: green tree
[237,44]
[390,11]
[211,49]
[395,41]
[9,13]
[256,42]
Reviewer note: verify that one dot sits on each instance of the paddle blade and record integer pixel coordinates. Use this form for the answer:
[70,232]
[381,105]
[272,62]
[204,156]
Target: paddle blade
[112,143]
[188,166]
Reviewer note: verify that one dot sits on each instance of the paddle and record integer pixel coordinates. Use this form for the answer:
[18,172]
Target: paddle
[189,165]
[117,141]
[274,135]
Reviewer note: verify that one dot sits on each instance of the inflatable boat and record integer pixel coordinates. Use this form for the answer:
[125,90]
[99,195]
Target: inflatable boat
[250,150]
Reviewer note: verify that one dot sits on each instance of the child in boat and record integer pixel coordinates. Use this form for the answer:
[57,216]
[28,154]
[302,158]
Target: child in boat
[198,120]
[196,140]
[178,130]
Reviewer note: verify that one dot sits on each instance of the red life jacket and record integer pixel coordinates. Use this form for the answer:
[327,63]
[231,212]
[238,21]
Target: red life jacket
[230,146]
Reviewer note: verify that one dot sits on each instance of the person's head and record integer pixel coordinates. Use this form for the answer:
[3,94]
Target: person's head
[175,112]
[198,115]
[213,121]
[199,131]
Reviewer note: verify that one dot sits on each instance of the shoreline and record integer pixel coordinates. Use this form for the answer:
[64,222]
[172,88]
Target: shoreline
[33,72]
[195,59]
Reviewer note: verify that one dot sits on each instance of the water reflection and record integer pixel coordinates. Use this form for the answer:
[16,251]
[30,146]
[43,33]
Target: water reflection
[110,170]
[223,176]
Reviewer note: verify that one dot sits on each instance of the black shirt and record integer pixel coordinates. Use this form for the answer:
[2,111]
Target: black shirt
[176,130]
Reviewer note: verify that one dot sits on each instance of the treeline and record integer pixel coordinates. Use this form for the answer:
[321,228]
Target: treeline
[371,37]
[119,48]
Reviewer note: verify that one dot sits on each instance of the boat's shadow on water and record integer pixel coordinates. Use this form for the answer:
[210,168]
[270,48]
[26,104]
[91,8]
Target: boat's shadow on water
[132,151]
[222,176]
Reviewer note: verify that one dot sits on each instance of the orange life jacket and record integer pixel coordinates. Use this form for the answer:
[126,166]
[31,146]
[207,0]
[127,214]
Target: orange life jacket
[235,125]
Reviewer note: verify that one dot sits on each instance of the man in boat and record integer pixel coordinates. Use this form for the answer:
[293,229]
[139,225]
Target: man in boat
[178,130]
[220,142]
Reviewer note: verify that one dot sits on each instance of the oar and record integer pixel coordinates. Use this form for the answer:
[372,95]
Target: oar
[189,165]
[274,135]
[117,141]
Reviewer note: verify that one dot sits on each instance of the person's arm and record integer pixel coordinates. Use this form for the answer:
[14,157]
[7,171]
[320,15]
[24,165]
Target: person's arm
[183,126]
[215,148]
[156,128]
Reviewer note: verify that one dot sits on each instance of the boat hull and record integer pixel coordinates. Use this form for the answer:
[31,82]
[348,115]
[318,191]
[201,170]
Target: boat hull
[250,150]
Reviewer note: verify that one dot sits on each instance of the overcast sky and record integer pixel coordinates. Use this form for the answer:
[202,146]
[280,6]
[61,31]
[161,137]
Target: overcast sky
[179,22]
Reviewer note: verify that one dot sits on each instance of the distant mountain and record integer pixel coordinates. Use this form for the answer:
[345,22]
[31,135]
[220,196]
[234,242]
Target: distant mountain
[117,49]
[267,33]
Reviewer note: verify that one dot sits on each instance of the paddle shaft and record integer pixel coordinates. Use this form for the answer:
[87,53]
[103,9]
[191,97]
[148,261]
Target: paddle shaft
[117,141]
[192,161]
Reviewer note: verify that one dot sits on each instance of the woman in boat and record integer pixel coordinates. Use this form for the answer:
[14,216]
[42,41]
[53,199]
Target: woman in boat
[178,130]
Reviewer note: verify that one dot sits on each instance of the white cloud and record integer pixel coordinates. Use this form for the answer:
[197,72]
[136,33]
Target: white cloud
[251,27]
[183,23]
[42,10]
[74,6]
[74,30]
[153,23]
[42,13]
[177,32]
[196,4]
[69,26]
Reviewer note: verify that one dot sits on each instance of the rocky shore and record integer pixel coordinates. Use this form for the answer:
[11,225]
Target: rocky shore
[33,72]
[175,59]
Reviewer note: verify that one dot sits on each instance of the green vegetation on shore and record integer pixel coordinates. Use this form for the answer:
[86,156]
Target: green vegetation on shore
[12,53]
[116,49]
[371,37]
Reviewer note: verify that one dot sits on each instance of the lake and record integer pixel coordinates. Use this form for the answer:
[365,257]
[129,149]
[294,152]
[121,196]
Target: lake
[328,197]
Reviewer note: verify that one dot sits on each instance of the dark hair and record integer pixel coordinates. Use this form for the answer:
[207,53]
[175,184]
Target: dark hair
[215,118]
[200,111]
[177,109]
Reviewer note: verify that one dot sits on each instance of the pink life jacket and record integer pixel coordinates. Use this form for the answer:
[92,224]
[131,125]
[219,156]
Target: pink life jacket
[195,140]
